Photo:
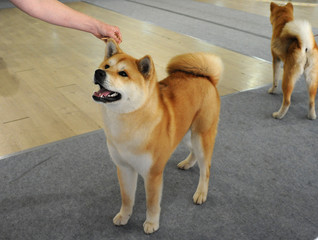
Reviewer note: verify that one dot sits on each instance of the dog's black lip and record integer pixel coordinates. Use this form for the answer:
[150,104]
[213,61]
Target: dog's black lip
[107,99]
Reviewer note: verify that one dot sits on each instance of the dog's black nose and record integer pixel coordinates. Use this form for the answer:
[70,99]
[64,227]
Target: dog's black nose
[99,76]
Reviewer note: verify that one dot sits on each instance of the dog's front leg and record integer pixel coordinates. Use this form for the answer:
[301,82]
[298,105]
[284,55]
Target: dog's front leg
[128,182]
[153,185]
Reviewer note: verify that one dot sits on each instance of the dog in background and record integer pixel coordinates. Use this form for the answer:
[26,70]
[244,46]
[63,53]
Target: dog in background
[293,43]
[145,120]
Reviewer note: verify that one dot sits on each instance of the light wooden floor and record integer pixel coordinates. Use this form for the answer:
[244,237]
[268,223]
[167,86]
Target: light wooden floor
[46,72]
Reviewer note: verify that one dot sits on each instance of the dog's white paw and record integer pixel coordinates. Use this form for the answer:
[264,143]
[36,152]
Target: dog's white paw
[311,116]
[185,164]
[199,197]
[188,162]
[121,219]
[271,90]
[277,115]
[150,227]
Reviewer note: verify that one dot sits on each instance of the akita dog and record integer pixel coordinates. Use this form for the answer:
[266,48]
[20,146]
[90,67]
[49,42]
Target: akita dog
[293,43]
[145,120]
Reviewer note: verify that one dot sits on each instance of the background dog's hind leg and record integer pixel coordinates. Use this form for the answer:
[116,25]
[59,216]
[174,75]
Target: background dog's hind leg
[312,84]
[292,71]
[312,96]
[276,71]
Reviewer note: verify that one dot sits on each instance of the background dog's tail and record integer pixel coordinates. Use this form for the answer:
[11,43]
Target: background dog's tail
[199,64]
[299,33]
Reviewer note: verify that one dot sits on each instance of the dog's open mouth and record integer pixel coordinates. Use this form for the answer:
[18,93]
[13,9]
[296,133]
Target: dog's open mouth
[104,95]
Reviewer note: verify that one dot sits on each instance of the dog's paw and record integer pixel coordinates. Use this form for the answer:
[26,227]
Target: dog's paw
[150,227]
[185,164]
[199,197]
[311,116]
[271,90]
[121,219]
[277,115]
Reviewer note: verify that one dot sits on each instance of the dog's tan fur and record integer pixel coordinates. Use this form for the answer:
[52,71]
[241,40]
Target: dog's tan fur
[143,131]
[294,44]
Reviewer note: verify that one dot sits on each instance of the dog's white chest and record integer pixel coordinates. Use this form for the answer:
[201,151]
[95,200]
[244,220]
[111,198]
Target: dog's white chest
[123,156]
[126,142]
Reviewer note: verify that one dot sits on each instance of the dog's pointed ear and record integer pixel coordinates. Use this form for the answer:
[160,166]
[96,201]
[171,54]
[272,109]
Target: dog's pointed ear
[290,6]
[146,66]
[112,48]
[273,5]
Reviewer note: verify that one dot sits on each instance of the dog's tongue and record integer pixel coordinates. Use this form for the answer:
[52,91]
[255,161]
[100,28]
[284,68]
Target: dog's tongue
[102,93]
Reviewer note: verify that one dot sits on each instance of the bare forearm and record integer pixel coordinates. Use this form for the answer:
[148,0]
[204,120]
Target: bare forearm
[55,12]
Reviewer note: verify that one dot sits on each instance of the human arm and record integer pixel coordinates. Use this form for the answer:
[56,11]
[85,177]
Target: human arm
[55,12]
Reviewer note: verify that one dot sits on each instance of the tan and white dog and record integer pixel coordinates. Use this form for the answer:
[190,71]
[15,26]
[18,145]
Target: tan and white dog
[293,43]
[145,120]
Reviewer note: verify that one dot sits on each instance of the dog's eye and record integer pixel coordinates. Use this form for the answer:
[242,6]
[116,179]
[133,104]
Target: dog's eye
[123,74]
[106,66]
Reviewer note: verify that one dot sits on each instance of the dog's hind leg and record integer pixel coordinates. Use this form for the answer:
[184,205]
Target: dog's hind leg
[128,182]
[292,71]
[191,159]
[312,88]
[276,68]
[203,145]
[312,84]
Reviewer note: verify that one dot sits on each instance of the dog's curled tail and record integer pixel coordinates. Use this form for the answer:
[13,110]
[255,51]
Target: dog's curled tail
[300,30]
[199,64]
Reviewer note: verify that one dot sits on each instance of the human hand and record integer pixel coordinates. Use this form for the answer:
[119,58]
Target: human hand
[108,31]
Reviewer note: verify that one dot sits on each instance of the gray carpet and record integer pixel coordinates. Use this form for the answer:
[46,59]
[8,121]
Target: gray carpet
[264,183]
[245,33]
